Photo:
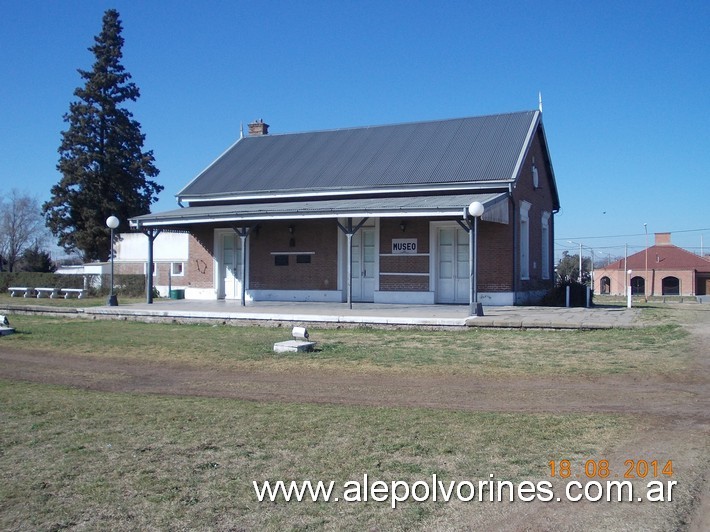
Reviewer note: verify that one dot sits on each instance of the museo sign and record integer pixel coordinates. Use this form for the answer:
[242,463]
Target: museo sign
[401,246]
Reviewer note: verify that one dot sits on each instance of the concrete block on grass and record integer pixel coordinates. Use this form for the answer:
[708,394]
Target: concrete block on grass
[293,346]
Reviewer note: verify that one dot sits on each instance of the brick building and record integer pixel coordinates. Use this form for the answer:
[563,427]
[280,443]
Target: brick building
[281,217]
[660,270]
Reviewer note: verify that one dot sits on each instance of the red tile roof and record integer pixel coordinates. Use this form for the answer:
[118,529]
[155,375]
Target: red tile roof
[663,257]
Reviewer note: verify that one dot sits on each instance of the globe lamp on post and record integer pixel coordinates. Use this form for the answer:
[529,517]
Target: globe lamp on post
[112,223]
[475,210]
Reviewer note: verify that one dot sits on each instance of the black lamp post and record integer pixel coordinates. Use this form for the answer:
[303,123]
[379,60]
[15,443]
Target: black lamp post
[475,210]
[112,223]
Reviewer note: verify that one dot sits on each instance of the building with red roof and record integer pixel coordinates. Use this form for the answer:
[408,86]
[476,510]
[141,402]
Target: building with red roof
[659,270]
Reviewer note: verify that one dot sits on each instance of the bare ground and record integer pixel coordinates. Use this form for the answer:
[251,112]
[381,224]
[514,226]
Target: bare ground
[675,410]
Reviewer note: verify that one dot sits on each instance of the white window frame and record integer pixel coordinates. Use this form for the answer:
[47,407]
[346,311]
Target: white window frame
[155,268]
[525,240]
[172,269]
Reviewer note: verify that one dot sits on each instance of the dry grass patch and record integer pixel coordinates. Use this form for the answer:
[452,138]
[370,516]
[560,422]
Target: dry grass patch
[78,459]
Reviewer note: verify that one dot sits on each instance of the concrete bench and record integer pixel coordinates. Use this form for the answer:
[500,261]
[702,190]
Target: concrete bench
[51,292]
[69,291]
[17,290]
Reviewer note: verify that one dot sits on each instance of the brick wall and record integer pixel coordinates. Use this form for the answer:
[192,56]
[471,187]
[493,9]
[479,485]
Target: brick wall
[199,270]
[404,263]
[495,257]
[404,283]
[391,228]
[689,282]
[413,228]
[319,237]
[541,200]
[129,268]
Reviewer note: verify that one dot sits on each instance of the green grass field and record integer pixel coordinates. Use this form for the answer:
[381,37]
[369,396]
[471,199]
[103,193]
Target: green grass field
[485,352]
[72,302]
[86,460]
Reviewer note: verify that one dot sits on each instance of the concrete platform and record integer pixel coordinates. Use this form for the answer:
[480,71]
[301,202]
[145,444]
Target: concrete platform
[368,314]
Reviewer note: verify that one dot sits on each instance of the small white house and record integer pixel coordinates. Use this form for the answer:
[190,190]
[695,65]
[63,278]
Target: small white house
[170,255]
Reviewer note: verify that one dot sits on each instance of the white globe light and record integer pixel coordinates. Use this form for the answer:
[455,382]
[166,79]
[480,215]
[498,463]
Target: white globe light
[476,209]
[112,222]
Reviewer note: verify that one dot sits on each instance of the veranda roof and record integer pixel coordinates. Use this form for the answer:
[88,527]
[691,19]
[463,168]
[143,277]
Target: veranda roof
[383,207]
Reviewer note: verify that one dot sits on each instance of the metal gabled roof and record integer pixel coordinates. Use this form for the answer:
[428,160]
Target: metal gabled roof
[485,149]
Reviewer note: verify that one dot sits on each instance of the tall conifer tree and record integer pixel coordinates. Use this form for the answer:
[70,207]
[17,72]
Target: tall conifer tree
[104,168]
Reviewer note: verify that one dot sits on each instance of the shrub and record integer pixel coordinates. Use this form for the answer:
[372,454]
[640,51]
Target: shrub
[35,279]
[98,285]
[556,297]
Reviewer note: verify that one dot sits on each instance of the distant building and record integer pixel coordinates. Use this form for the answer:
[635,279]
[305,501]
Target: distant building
[660,270]
[277,216]
[170,257]
[91,272]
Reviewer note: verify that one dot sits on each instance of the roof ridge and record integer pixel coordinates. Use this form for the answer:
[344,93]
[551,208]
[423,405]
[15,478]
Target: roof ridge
[481,149]
[394,124]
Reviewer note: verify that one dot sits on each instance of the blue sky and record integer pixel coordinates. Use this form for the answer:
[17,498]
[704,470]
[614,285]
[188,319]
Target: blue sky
[625,89]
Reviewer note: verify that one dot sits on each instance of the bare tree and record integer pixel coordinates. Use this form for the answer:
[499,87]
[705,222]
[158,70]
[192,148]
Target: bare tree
[21,227]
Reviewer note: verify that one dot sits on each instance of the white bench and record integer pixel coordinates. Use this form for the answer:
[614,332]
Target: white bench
[69,291]
[17,290]
[51,292]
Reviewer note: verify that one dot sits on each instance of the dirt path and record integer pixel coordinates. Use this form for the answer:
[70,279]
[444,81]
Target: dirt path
[686,398]
[675,410]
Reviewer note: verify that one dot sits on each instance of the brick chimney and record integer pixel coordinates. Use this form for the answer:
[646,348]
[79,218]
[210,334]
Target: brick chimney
[663,239]
[258,128]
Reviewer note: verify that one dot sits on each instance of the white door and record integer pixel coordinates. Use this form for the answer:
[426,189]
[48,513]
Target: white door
[364,265]
[453,275]
[230,266]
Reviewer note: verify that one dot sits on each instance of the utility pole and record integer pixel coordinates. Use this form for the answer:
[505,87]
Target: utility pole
[645,282]
[580,259]
[626,271]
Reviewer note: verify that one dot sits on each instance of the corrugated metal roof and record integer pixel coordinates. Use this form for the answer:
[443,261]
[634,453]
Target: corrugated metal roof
[433,205]
[464,150]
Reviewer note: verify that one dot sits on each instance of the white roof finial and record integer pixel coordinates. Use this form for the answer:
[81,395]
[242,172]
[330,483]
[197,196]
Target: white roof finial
[539,101]
[241,130]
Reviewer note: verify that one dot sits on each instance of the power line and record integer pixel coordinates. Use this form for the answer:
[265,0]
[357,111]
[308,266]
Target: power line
[631,235]
[591,237]
[690,230]
[599,248]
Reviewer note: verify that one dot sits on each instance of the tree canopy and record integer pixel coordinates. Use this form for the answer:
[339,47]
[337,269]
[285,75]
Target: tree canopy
[35,259]
[568,268]
[105,170]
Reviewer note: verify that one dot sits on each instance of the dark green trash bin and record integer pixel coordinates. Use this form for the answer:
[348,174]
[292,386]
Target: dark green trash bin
[178,293]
